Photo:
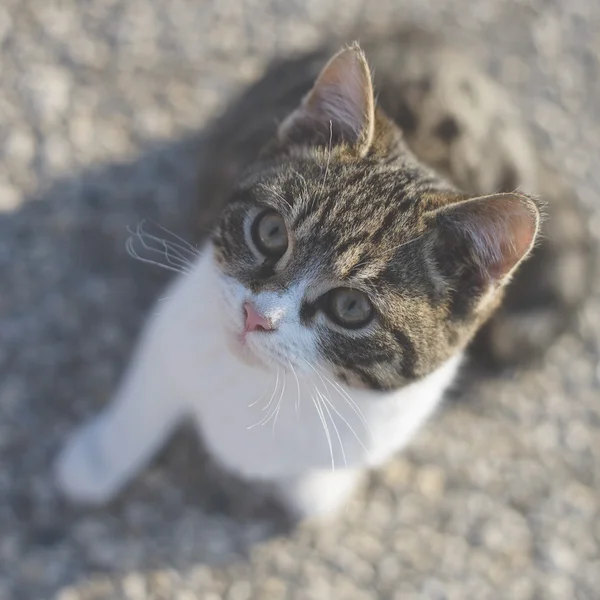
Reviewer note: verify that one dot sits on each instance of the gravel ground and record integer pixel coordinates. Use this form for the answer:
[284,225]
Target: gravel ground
[101,103]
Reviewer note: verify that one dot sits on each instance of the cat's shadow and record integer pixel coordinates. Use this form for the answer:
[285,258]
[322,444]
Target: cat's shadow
[85,301]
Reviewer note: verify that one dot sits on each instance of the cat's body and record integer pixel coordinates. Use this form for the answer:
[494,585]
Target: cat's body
[261,426]
[263,343]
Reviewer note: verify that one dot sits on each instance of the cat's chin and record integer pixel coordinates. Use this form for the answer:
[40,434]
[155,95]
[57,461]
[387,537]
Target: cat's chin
[243,352]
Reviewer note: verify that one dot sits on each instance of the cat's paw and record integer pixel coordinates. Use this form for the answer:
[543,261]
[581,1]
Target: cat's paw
[320,494]
[82,472]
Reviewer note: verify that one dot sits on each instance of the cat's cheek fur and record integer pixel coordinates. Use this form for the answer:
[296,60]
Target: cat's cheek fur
[183,368]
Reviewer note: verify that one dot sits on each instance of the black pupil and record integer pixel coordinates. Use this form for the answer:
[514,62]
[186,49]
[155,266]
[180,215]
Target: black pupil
[350,305]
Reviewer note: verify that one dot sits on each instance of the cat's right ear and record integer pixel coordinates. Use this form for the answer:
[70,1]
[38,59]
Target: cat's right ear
[340,108]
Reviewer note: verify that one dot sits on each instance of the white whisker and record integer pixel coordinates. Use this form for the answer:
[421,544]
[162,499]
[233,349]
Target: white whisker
[174,259]
[265,419]
[269,415]
[352,403]
[189,250]
[274,391]
[183,243]
[259,398]
[143,237]
[325,428]
[337,412]
[279,403]
[133,253]
[297,404]
[337,433]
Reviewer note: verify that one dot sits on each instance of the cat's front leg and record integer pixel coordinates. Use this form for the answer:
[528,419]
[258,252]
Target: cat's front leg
[317,493]
[104,454]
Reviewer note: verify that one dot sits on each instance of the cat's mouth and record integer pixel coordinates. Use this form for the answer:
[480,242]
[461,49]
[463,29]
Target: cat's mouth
[244,347]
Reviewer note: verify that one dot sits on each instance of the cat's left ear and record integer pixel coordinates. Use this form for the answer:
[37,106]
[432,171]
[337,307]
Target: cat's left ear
[487,236]
[340,108]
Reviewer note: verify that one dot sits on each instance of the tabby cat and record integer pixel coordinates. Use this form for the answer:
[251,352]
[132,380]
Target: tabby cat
[362,239]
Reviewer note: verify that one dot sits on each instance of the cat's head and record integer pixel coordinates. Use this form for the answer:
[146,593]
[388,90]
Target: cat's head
[339,251]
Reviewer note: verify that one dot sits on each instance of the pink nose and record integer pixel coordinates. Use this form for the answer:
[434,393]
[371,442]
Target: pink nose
[254,320]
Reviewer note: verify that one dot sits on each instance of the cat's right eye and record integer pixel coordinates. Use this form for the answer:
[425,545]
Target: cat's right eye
[269,234]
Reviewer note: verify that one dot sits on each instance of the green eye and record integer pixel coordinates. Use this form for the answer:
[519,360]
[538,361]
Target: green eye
[269,234]
[349,308]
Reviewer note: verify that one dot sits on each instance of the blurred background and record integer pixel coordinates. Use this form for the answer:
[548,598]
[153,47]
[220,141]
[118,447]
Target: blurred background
[102,105]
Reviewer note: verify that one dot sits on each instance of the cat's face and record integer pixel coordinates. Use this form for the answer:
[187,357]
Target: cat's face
[339,253]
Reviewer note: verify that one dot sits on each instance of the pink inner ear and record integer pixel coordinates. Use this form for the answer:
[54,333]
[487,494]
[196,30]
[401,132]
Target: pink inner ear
[340,106]
[343,94]
[501,230]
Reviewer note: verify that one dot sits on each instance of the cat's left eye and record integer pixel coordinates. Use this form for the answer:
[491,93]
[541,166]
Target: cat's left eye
[349,308]
[269,234]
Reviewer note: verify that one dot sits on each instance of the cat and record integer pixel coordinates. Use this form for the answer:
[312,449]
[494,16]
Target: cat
[361,241]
